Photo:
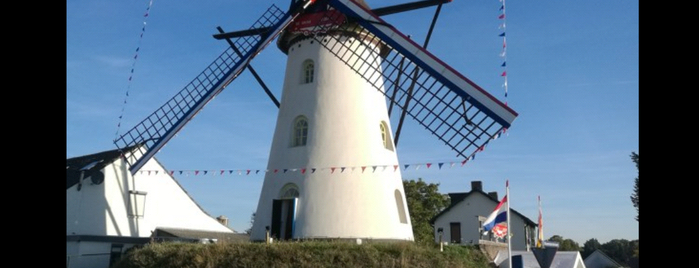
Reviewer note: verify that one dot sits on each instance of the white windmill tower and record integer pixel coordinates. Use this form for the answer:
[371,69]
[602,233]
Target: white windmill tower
[331,117]
[333,169]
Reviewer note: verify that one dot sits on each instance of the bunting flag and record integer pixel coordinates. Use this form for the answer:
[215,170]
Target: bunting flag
[503,54]
[133,66]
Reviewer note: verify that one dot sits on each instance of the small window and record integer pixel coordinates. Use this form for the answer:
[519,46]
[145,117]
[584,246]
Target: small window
[115,253]
[289,191]
[386,136]
[401,208]
[308,71]
[300,131]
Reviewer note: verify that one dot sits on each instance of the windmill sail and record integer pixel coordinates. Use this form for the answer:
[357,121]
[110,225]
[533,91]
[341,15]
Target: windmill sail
[151,134]
[453,108]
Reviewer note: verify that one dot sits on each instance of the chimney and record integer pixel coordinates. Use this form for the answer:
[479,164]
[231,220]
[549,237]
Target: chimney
[476,185]
[223,220]
[494,195]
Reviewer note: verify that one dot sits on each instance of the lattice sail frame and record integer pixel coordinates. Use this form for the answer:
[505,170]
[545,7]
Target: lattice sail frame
[460,113]
[151,134]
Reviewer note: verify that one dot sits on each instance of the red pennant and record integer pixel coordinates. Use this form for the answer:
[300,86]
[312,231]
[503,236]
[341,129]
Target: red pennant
[332,170]
[222,172]
[196,172]
[363,168]
[428,165]
[247,172]
[504,73]
[275,171]
[463,162]
[172,172]
[395,167]
[303,171]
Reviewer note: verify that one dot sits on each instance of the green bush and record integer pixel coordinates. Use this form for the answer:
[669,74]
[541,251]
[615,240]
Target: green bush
[300,254]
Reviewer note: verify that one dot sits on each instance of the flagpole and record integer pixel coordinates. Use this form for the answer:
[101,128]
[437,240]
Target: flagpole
[509,227]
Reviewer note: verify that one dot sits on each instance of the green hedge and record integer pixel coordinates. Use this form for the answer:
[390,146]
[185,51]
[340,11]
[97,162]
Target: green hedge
[300,254]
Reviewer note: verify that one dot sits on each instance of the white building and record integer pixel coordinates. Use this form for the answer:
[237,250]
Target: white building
[462,221]
[108,210]
[329,118]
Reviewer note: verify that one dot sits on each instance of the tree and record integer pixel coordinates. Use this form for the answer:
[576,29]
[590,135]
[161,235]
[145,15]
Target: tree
[252,220]
[620,250]
[589,247]
[565,244]
[634,196]
[424,202]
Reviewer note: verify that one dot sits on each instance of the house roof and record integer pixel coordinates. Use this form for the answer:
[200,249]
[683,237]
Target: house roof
[598,257]
[456,198]
[90,164]
[562,259]
[164,232]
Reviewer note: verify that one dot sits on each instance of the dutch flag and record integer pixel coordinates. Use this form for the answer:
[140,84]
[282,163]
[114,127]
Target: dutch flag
[499,215]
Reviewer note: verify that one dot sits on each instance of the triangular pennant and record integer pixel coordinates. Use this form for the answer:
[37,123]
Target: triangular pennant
[222,171]
[240,172]
[149,173]
[342,169]
[285,170]
[313,170]
[384,168]
[373,167]
[504,63]
[303,171]
[451,164]
[395,167]
[502,34]
[440,165]
[275,171]
[502,7]
[257,171]
[406,166]
[206,171]
[156,172]
[363,168]
[428,165]
[353,168]
[180,172]
[332,170]
[502,16]
[464,162]
[294,169]
[504,73]
[247,172]
[172,172]
[196,172]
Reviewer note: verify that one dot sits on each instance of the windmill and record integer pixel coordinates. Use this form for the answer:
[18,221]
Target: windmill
[347,69]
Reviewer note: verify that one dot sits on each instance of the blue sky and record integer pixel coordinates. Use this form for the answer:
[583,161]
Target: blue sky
[572,69]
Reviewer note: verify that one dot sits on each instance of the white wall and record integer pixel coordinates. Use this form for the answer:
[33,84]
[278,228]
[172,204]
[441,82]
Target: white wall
[103,209]
[467,212]
[344,114]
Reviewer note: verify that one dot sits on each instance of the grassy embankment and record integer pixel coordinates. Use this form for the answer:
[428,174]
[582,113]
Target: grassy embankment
[301,254]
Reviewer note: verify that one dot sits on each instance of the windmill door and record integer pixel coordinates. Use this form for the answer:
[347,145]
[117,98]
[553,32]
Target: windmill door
[283,218]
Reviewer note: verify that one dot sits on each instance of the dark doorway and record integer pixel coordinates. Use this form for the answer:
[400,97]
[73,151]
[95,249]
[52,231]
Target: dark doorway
[283,217]
[455,232]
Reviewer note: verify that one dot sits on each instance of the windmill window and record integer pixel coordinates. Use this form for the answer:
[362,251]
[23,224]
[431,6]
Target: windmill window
[401,208]
[300,131]
[308,72]
[386,136]
[289,191]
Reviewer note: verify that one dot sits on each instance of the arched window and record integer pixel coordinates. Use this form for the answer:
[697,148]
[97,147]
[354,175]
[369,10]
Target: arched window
[300,131]
[289,191]
[401,208]
[386,136]
[308,71]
